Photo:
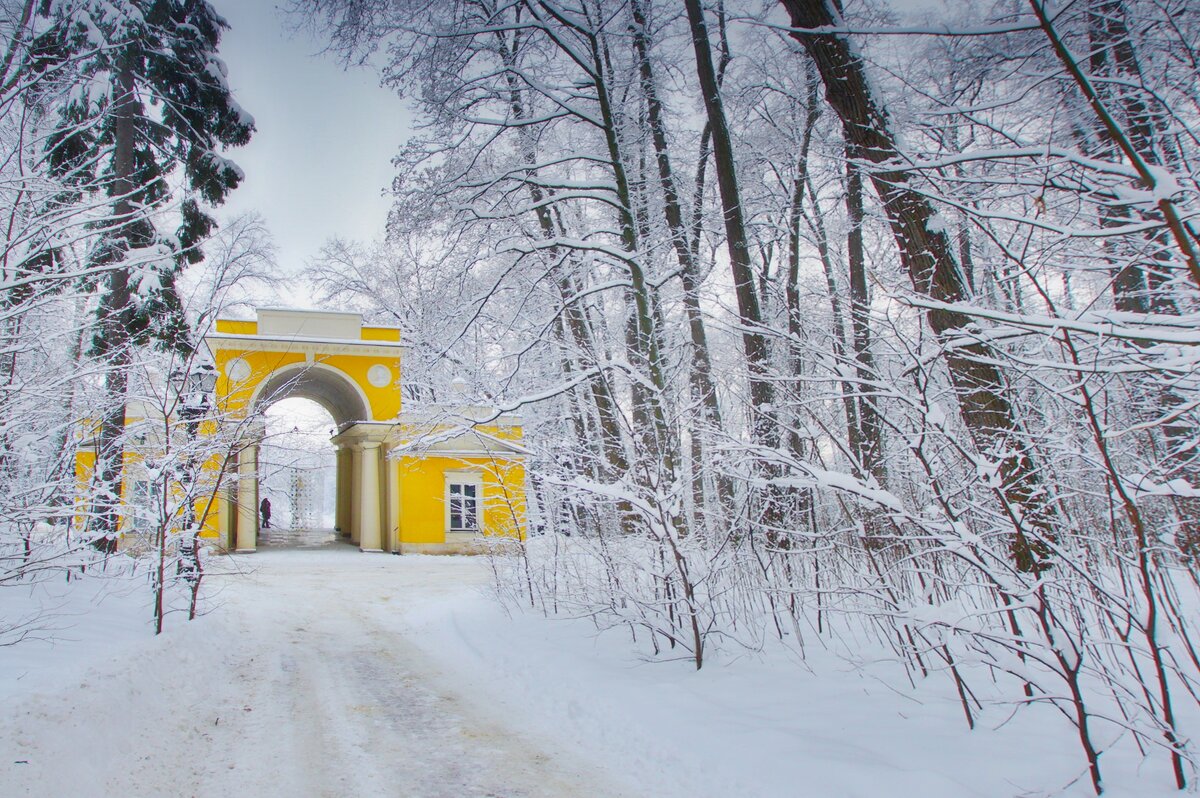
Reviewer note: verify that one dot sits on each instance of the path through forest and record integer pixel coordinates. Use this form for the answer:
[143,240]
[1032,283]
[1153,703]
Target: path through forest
[297,684]
[328,672]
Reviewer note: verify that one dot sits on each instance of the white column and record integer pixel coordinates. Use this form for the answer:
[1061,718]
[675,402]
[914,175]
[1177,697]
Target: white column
[354,492]
[247,500]
[368,525]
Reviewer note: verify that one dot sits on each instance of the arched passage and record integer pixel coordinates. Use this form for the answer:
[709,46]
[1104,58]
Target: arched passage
[297,474]
[337,394]
[399,475]
[332,359]
[329,387]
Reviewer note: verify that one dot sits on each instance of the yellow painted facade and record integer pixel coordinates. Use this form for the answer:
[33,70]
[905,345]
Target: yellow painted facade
[423,487]
[138,419]
[435,480]
[397,472]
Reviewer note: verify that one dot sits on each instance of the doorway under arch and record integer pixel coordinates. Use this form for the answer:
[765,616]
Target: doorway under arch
[297,467]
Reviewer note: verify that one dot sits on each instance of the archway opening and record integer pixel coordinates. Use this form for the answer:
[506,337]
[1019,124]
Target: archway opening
[298,474]
[328,387]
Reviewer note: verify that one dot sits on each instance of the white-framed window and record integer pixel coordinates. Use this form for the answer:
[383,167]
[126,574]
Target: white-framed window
[464,501]
[141,504]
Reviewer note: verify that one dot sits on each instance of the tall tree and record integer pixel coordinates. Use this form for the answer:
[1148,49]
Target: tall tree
[927,254]
[700,376]
[150,98]
[754,343]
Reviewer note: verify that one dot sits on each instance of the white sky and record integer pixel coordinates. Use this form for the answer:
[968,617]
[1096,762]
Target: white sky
[321,159]
[320,162]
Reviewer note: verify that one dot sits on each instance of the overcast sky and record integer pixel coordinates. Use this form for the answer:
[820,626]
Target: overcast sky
[321,159]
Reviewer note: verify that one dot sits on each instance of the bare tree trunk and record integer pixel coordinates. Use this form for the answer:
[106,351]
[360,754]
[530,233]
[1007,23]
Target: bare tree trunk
[646,336]
[867,440]
[926,253]
[15,45]
[1112,57]
[839,334]
[576,322]
[754,343]
[798,444]
[113,344]
[1137,289]
[703,388]
[1126,142]
[764,426]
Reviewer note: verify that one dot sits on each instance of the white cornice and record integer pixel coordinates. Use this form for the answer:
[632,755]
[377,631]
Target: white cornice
[302,345]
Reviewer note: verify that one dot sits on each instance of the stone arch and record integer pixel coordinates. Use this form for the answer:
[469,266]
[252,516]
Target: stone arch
[391,465]
[350,370]
[329,387]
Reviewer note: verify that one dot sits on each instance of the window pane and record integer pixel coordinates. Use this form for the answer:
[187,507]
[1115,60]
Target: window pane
[463,505]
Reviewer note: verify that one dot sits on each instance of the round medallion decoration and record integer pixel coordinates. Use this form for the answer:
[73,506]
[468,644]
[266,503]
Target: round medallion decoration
[237,370]
[379,375]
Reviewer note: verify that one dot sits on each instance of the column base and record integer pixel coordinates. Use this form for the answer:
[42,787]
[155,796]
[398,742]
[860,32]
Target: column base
[244,551]
[370,551]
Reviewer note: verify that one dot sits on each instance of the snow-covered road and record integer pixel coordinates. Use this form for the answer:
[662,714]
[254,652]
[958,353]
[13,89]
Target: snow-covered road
[299,683]
[328,672]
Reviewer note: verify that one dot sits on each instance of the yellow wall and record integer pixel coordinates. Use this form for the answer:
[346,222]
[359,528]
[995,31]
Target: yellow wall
[205,506]
[85,467]
[423,490]
[85,471]
[237,327]
[385,401]
[208,505]
[421,477]
[234,398]
[381,334]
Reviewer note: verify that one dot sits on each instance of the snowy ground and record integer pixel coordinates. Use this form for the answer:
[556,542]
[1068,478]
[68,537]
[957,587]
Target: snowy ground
[334,673]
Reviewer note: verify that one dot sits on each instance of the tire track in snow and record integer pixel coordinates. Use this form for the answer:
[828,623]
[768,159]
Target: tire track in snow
[366,719]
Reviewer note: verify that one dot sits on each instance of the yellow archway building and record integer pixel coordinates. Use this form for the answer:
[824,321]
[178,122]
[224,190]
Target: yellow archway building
[434,480]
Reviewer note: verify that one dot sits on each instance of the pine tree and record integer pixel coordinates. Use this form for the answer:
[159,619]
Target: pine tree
[148,96]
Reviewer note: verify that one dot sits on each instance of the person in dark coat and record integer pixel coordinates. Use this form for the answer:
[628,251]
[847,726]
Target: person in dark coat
[265,509]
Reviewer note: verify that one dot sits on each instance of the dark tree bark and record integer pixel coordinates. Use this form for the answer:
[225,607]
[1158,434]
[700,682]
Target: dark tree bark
[799,445]
[867,439]
[1184,237]
[1135,288]
[1141,266]
[703,387]
[646,352]
[646,346]
[113,344]
[926,253]
[576,323]
[754,343]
